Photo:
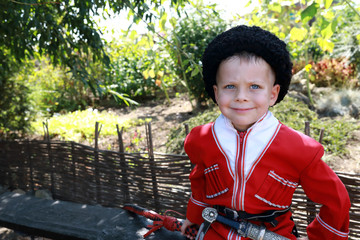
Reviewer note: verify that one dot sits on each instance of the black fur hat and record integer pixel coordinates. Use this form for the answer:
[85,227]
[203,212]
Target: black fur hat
[251,40]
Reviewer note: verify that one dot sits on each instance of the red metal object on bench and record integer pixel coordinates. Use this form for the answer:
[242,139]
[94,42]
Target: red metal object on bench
[168,222]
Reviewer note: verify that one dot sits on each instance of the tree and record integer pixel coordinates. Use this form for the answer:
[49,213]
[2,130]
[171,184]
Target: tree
[65,31]
[188,41]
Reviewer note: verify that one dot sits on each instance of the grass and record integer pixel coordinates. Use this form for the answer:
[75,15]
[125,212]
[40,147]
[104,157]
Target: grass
[337,130]
[80,125]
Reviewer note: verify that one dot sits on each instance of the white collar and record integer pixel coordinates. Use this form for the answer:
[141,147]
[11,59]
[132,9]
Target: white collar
[256,141]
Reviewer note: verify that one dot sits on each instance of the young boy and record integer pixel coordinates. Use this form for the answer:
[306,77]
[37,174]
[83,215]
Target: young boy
[248,164]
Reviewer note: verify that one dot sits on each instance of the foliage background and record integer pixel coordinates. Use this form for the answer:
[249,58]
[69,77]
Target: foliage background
[54,60]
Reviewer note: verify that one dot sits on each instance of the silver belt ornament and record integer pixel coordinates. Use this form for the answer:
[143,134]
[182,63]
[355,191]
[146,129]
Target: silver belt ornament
[244,228]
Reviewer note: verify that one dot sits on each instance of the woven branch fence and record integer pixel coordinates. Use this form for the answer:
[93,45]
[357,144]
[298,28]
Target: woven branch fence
[83,174]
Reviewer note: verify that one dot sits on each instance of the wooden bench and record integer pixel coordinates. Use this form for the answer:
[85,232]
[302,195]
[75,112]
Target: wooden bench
[73,221]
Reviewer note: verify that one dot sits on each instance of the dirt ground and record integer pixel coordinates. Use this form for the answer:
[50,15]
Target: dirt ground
[163,117]
[351,162]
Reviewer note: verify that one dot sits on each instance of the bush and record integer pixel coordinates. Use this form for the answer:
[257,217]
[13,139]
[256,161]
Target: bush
[333,72]
[175,143]
[16,109]
[347,41]
[54,90]
[140,68]
[189,39]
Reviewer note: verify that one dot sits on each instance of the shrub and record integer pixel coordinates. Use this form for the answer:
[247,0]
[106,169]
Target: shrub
[347,41]
[177,135]
[140,67]
[298,66]
[333,72]
[54,90]
[189,39]
[16,109]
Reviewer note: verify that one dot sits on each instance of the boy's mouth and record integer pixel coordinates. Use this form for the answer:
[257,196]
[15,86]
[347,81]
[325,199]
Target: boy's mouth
[242,109]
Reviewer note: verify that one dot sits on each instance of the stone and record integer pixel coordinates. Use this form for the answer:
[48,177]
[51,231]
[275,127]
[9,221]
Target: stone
[44,194]
[339,103]
[298,82]
[19,191]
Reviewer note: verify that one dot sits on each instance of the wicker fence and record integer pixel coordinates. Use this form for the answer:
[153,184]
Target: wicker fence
[83,174]
[79,173]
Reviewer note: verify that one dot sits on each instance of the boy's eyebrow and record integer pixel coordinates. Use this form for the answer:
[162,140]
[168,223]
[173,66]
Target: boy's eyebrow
[257,80]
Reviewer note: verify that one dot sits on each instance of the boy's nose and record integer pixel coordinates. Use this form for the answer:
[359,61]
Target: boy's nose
[241,95]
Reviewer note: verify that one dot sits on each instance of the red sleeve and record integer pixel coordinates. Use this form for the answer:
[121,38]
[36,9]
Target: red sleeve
[197,179]
[323,186]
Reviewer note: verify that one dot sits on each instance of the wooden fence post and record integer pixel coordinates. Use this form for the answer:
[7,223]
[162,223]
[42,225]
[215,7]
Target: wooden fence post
[321,135]
[307,128]
[30,166]
[152,166]
[186,129]
[96,161]
[123,165]
[73,167]
[51,163]
[46,131]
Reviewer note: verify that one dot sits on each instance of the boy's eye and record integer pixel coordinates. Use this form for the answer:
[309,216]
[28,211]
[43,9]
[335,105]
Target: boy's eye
[254,86]
[229,86]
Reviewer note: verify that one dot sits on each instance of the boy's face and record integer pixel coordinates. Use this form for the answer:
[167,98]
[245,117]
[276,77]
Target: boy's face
[245,90]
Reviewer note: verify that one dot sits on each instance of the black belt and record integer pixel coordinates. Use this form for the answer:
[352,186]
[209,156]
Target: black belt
[268,216]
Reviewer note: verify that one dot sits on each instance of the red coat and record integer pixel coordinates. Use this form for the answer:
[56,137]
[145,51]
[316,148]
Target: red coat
[258,171]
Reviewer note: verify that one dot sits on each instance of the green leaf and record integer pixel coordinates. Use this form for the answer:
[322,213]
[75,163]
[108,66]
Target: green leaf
[358,37]
[152,73]
[328,29]
[123,97]
[173,22]
[308,13]
[185,62]
[183,83]
[298,34]
[325,44]
[328,3]
[146,74]
[195,72]
[162,22]
[276,7]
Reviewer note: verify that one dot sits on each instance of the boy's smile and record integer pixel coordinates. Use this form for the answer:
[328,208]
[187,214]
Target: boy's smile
[245,90]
